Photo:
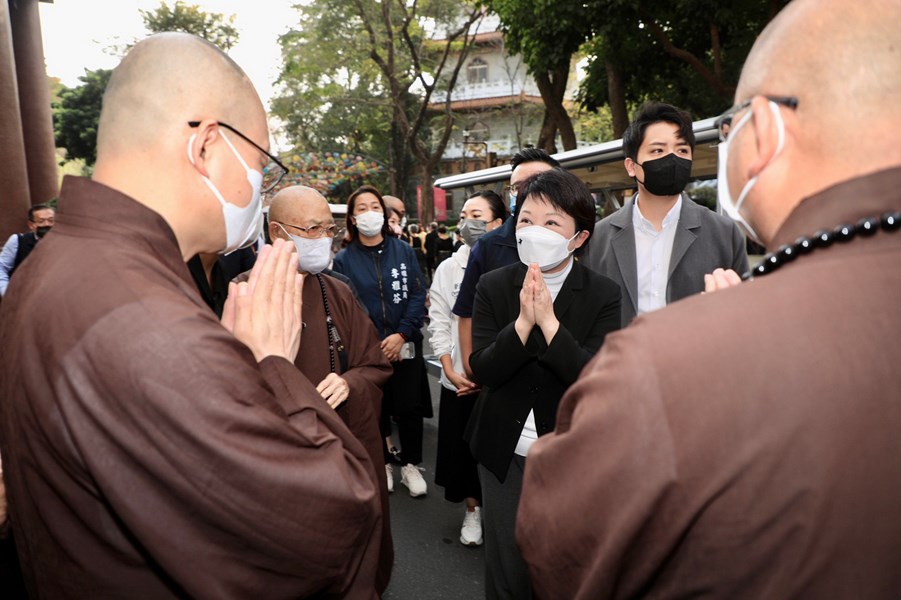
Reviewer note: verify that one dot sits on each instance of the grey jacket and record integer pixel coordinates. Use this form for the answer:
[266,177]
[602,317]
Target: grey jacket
[704,241]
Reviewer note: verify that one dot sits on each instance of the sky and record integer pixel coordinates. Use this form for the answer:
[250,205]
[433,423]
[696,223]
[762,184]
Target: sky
[78,34]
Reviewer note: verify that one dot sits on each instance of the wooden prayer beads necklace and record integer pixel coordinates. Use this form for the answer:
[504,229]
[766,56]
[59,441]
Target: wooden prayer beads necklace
[888,222]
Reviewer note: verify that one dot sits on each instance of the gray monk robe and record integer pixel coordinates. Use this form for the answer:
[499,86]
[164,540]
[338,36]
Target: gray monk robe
[147,453]
[740,444]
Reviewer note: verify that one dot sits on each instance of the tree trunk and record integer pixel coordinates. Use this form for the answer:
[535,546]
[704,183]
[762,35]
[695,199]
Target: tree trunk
[616,97]
[564,123]
[427,207]
[553,89]
[548,133]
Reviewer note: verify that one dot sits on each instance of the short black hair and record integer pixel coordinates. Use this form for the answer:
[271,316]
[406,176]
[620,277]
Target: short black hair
[36,208]
[655,112]
[565,192]
[531,154]
[499,209]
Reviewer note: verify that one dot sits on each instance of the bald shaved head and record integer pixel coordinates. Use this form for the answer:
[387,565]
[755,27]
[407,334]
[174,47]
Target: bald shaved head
[167,79]
[300,206]
[841,59]
[162,138]
[396,204]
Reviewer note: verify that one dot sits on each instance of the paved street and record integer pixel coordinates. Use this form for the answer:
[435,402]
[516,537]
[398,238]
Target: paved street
[430,562]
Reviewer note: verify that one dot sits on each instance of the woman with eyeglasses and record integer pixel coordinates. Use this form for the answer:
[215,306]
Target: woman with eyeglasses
[386,274]
[535,324]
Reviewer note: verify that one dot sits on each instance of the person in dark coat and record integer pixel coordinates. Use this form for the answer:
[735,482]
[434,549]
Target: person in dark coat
[386,274]
[535,325]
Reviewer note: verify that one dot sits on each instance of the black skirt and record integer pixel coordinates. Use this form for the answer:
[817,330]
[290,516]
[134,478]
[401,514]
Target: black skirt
[455,468]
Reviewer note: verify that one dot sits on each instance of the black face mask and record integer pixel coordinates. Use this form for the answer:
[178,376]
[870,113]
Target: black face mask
[666,176]
[42,230]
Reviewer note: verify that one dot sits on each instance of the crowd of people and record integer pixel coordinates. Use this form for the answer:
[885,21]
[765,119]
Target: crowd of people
[626,409]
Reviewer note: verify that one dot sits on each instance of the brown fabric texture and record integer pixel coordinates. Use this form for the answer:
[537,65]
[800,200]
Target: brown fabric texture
[740,444]
[147,454]
[367,371]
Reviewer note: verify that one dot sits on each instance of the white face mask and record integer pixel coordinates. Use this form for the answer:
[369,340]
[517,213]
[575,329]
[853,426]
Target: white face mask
[724,196]
[243,226]
[403,222]
[536,244]
[313,255]
[370,223]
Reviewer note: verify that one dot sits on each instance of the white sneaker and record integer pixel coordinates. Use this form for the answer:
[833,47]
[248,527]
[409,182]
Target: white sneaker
[412,478]
[471,533]
[389,471]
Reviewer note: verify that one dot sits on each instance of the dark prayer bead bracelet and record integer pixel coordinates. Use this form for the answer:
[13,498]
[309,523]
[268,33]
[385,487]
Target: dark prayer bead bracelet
[866,227]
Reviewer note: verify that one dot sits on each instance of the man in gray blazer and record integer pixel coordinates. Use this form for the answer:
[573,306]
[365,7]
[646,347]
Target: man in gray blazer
[659,246]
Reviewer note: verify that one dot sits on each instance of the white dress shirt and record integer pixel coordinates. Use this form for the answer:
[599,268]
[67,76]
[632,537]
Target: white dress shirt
[652,255]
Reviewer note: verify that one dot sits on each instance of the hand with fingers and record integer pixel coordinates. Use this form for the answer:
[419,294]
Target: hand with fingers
[720,279]
[333,389]
[265,311]
[544,306]
[526,319]
[391,346]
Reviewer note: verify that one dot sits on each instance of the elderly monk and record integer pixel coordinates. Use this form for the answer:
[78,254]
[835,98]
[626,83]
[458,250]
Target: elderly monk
[762,459]
[150,451]
[341,351]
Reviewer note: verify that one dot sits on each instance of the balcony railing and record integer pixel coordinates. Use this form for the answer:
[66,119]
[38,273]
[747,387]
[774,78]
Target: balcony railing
[488,89]
[501,146]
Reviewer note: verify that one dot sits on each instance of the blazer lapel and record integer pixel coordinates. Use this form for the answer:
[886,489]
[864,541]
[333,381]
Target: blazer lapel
[623,244]
[565,296]
[689,220]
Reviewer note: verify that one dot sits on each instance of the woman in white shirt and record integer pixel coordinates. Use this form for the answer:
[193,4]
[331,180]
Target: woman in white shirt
[456,469]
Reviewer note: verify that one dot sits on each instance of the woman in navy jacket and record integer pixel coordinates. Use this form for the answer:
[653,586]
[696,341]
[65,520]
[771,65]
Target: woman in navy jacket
[533,329]
[386,274]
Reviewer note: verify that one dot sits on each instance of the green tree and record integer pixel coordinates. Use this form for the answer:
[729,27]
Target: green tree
[189,18]
[76,114]
[332,97]
[419,48]
[685,52]
[548,33]
[363,75]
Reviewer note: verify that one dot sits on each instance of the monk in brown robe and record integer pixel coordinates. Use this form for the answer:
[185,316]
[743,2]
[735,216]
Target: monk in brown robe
[745,443]
[150,451]
[345,362]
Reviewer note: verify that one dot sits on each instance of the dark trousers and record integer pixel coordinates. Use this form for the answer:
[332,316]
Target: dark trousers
[12,586]
[407,401]
[506,573]
[455,468]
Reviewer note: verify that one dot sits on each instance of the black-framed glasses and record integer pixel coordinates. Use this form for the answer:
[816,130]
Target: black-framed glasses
[724,121]
[314,231]
[273,172]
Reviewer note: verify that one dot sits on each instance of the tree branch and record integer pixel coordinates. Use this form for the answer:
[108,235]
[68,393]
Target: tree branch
[717,50]
[715,82]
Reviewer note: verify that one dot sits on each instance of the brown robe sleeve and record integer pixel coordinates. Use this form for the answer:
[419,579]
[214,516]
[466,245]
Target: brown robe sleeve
[211,459]
[592,524]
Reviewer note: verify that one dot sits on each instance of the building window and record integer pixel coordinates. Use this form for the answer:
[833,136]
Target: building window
[478,132]
[477,71]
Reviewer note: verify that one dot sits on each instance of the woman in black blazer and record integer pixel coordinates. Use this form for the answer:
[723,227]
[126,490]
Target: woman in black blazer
[533,329]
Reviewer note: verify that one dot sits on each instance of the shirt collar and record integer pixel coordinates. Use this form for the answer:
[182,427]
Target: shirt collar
[640,222]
